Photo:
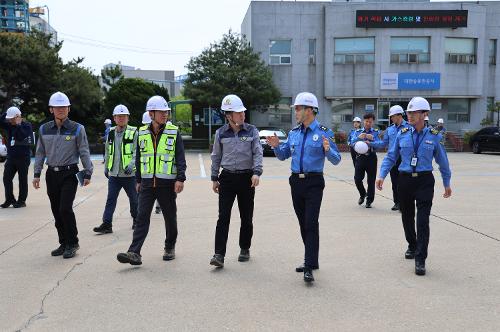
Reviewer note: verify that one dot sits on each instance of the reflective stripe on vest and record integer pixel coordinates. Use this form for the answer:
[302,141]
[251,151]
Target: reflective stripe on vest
[127,146]
[163,167]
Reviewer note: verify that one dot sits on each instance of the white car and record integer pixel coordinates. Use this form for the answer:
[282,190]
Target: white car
[3,150]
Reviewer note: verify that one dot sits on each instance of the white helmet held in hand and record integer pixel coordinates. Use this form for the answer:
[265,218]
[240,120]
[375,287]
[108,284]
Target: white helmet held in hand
[12,112]
[361,147]
[418,104]
[232,103]
[59,99]
[306,99]
[146,119]
[157,103]
[396,109]
[121,109]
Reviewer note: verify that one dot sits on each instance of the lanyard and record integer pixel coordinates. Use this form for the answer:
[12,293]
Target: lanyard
[415,147]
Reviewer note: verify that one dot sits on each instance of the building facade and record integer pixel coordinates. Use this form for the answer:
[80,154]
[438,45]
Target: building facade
[14,16]
[365,56]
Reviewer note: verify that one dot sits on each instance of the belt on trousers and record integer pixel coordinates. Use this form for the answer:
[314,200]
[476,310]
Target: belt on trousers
[242,171]
[307,175]
[63,168]
[416,174]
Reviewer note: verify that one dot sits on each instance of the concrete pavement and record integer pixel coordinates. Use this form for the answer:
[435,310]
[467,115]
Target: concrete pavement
[364,282]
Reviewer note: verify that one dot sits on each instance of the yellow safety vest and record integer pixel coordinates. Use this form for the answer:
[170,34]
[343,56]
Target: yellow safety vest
[127,146]
[158,161]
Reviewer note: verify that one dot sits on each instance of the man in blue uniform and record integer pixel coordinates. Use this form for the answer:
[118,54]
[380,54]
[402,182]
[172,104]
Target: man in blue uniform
[396,116]
[308,144]
[366,163]
[19,141]
[417,146]
[352,135]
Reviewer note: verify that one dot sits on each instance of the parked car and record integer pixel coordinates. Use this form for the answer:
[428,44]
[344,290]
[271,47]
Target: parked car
[270,131]
[3,149]
[486,139]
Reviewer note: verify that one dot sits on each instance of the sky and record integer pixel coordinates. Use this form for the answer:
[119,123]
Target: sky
[152,34]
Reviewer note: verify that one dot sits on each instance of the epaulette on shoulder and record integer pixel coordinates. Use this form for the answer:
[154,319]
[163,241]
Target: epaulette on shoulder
[323,128]
[434,131]
[359,129]
[376,129]
[296,127]
[404,130]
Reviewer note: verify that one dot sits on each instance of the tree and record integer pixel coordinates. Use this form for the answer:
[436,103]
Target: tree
[230,66]
[133,93]
[29,71]
[84,92]
[110,76]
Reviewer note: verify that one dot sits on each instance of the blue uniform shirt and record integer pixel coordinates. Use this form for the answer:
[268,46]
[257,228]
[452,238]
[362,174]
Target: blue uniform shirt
[305,146]
[374,144]
[428,144]
[351,137]
[390,135]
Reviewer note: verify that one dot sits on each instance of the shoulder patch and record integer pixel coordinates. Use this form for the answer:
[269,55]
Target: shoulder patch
[434,131]
[323,128]
[404,130]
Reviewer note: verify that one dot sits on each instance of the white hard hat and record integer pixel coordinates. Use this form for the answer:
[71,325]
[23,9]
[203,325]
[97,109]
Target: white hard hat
[396,109]
[157,103]
[356,119]
[426,118]
[12,112]
[361,147]
[121,109]
[440,121]
[232,103]
[107,121]
[418,104]
[146,119]
[59,99]
[306,99]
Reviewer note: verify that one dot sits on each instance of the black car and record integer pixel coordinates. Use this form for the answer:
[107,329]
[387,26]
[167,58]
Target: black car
[487,139]
[270,131]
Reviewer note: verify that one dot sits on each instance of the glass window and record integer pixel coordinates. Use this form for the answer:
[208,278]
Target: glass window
[460,50]
[342,110]
[281,114]
[312,52]
[410,49]
[493,51]
[459,110]
[280,52]
[354,50]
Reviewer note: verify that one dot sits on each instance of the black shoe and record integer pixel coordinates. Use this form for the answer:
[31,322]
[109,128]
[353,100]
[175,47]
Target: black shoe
[395,207]
[420,268]
[410,254]
[217,260]
[59,251]
[361,200]
[308,275]
[6,204]
[70,251]
[368,205]
[300,268]
[104,228]
[129,257]
[168,254]
[244,255]
[18,205]
[158,210]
